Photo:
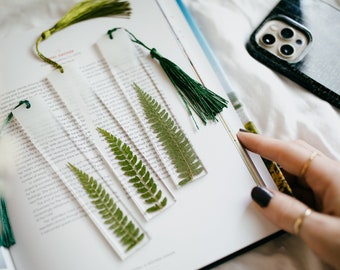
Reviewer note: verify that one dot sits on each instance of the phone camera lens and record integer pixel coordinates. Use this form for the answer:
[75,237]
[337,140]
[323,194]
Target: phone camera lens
[299,42]
[268,39]
[287,50]
[287,33]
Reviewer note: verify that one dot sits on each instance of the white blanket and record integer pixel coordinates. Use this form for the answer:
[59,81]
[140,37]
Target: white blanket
[278,107]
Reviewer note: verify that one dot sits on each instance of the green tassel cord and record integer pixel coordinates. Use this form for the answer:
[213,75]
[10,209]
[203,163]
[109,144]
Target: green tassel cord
[6,235]
[204,102]
[82,11]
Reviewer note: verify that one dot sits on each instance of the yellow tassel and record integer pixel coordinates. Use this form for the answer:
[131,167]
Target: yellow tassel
[87,9]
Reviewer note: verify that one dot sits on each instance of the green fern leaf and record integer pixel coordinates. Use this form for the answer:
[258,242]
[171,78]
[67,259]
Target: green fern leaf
[137,172]
[128,233]
[174,141]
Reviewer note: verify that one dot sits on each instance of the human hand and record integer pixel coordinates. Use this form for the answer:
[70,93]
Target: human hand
[320,228]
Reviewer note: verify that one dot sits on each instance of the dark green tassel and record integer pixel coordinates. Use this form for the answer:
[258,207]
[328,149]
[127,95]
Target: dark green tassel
[6,234]
[87,9]
[204,102]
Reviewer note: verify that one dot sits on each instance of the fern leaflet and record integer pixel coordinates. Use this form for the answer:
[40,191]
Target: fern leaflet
[174,141]
[128,233]
[138,174]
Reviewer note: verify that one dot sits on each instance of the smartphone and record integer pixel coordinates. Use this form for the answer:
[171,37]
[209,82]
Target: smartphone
[301,40]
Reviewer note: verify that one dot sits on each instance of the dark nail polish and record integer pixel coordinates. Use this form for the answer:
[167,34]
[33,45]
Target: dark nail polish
[243,130]
[261,196]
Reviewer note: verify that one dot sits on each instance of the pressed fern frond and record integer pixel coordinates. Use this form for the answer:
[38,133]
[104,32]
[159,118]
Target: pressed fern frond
[139,176]
[128,233]
[174,141]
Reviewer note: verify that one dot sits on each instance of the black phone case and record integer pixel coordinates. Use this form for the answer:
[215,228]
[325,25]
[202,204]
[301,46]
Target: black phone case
[318,71]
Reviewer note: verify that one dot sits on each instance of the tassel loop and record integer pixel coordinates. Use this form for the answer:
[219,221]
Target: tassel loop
[10,115]
[111,31]
[43,57]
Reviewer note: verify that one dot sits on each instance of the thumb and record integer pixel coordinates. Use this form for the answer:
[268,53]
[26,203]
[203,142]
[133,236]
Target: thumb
[319,231]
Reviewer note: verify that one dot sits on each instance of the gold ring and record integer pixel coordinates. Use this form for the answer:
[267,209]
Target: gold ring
[299,221]
[307,164]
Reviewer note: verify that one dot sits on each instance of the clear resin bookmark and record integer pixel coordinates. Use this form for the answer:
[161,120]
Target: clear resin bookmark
[150,110]
[122,153]
[73,159]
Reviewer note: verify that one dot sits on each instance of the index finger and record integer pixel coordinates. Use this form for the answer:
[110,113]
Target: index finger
[292,156]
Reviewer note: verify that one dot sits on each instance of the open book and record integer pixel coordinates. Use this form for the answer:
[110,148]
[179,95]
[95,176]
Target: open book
[55,222]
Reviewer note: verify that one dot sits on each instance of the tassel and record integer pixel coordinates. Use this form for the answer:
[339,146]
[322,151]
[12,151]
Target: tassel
[204,102]
[6,234]
[87,9]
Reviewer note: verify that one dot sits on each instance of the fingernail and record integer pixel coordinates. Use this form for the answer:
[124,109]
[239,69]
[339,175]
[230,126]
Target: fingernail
[243,130]
[261,196]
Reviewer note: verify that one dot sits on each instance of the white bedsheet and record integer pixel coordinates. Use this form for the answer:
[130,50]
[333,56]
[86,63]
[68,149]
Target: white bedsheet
[278,107]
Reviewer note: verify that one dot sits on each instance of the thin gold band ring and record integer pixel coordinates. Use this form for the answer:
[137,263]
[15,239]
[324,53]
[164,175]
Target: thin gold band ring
[299,221]
[307,164]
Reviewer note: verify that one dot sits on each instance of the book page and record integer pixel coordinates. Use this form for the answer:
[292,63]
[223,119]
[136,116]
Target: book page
[210,219]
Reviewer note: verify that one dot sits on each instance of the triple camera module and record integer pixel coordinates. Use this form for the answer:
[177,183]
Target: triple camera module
[286,41]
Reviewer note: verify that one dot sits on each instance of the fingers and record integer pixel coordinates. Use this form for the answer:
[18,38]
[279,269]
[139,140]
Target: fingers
[290,155]
[278,209]
[317,230]
[296,157]
[320,231]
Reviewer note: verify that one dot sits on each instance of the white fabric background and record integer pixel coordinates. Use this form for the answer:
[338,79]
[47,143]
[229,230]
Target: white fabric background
[278,107]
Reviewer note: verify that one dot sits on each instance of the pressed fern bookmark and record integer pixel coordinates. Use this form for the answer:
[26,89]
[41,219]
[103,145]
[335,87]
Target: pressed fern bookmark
[204,102]
[173,139]
[124,228]
[87,9]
